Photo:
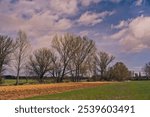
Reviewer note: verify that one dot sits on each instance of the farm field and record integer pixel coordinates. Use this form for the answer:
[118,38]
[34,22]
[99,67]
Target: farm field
[135,90]
[25,91]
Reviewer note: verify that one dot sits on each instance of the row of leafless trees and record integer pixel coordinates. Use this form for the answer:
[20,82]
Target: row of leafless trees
[69,55]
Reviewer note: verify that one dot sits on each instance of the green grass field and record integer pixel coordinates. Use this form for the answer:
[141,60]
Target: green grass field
[22,81]
[135,90]
[8,82]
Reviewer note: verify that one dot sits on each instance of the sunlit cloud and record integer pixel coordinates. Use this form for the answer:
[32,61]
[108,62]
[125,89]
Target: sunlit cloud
[134,36]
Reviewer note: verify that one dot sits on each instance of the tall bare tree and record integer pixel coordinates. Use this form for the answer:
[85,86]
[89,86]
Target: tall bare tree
[65,46]
[85,49]
[20,54]
[90,65]
[40,63]
[56,69]
[103,59]
[6,48]
[146,70]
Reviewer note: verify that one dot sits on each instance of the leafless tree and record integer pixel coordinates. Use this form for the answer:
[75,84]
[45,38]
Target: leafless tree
[56,66]
[6,48]
[65,46]
[90,66]
[146,70]
[103,59]
[20,54]
[40,63]
[85,49]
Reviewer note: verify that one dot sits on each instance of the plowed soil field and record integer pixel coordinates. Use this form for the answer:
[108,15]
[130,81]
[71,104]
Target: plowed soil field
[24,91]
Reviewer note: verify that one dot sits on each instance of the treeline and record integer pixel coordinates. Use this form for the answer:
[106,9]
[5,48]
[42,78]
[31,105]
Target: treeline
[69,55]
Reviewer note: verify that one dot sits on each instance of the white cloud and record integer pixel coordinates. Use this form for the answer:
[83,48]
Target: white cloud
[40,14]
[119,34]
[44,18]
[84,33]
[92,18]
[122,24]
[136,36]
[41,18]
[88,2]
[64,7]
[43,21]
[139,2]
[43,41]
[9,23]
[63,24]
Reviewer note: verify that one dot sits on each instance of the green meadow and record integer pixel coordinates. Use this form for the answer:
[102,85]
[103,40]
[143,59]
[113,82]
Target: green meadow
[132,90]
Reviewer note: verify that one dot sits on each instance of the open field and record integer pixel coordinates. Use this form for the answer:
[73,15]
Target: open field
[135,90]
[22,81]
[24,91]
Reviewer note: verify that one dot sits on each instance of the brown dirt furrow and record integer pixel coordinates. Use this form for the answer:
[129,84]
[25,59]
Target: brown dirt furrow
[24,91]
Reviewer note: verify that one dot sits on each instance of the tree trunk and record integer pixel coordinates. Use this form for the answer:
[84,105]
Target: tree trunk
[1,79]
[18,69]
[102,75]
[17,79]
[63,74]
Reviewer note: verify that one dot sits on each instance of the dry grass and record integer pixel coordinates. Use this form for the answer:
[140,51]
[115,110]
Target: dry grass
[24,91]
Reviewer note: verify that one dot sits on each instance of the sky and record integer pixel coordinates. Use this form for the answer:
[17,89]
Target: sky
[119,27]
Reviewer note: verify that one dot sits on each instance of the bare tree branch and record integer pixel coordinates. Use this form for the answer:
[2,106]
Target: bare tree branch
[6,48]
[103,60]
[40,63]
[20,54]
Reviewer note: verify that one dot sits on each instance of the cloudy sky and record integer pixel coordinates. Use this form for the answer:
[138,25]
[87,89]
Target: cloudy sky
[119,27]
